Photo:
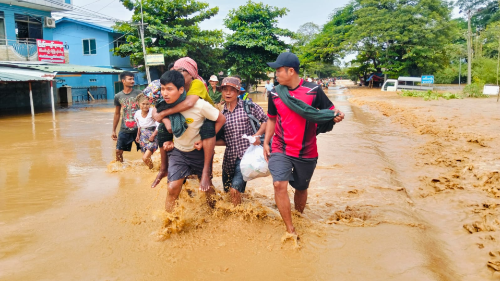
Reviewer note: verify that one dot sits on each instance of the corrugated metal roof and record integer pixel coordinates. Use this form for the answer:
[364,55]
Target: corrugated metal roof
[60,68]
[15,77]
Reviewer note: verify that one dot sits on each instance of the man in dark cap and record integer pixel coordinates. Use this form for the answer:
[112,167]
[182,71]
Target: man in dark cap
[295,109]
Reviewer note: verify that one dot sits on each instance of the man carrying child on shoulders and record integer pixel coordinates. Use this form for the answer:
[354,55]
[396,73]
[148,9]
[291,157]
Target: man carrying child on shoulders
[184,159]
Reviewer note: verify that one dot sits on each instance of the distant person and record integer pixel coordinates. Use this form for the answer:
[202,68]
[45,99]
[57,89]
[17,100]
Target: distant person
[269,87]
[147,129]
[294,150]
[214,94]
[237,124]
[125,106]
[184,159]
[243,94]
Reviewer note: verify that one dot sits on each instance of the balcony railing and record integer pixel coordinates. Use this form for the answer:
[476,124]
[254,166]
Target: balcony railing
[18,50]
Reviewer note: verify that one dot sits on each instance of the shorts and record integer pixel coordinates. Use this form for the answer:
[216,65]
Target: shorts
[183,164]
[125,141]
[234,181]
[297,171]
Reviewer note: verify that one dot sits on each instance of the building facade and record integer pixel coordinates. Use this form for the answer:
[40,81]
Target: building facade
[92,45]
[23,22]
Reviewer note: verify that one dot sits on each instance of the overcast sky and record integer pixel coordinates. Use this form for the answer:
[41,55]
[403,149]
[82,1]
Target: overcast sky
[316,11]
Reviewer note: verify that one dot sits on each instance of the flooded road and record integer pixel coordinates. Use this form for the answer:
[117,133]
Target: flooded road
[67,212]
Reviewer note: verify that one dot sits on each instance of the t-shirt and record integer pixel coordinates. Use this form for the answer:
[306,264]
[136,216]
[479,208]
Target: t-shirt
[195,117]
[269,87]
[214,94]
[294,135]
[129,107]
[199,89]
[145,122]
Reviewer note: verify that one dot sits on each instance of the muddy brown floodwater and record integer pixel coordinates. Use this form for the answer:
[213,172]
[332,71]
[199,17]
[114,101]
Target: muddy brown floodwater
[405,189]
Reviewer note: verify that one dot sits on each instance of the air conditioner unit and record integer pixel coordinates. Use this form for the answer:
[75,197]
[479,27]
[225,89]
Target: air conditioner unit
[50,22]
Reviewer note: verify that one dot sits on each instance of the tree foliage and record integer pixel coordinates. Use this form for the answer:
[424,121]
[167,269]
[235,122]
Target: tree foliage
[256,39]
[404,37]
[175,25]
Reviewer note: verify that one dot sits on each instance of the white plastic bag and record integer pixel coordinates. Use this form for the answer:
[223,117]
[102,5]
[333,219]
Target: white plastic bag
[253,165]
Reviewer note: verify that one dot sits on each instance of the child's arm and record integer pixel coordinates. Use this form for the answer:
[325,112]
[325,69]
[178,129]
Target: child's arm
[138,134]
[188,103]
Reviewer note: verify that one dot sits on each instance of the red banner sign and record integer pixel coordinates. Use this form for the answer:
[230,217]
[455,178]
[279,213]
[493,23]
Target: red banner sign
[50,51]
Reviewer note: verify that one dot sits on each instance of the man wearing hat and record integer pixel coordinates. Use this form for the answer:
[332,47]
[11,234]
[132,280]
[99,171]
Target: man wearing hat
[212,89]
[298,110]
[237,124]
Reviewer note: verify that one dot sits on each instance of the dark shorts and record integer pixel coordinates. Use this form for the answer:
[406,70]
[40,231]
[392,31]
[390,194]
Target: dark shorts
[125,141]
[297,171]
[183,164]
[234,181]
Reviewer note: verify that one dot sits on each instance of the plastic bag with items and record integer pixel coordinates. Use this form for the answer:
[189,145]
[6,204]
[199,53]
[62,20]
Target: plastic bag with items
[253,165]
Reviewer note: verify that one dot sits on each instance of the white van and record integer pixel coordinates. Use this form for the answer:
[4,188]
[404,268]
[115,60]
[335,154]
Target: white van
[405,83]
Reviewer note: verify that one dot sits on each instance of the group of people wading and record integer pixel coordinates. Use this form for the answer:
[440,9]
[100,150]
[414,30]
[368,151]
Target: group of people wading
[186,125]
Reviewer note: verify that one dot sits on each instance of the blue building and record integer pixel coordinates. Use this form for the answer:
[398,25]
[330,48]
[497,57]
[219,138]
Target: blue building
[92,45]
[22,22]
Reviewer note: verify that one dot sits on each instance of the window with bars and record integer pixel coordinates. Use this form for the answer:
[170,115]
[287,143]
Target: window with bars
[89,47]
[119,42]
[28,28]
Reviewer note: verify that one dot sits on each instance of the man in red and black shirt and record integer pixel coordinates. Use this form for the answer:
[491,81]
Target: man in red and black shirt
[294,153]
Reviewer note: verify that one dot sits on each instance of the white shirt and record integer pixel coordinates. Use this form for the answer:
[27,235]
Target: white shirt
[269,87]
[145,122]
[195,117]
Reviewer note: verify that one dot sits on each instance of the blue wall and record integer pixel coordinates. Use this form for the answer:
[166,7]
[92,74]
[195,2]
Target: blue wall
[117,60]
[10,24]
[102,80]
[73,34]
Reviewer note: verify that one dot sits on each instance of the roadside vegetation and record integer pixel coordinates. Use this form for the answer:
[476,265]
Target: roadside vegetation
[430,95]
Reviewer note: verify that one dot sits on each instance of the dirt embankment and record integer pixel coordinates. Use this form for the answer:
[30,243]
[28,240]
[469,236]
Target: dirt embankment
[458,167]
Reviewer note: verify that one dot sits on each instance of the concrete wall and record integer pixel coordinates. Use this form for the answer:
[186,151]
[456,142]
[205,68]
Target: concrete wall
[73,34]
[10,24]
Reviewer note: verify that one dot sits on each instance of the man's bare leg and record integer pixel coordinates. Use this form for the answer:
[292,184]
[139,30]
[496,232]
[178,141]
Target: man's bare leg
[163,167]
[210,197]
[174,189]
[235,197]
[300,200]
[146,158]
[208,150]
[283,203]
[119,155]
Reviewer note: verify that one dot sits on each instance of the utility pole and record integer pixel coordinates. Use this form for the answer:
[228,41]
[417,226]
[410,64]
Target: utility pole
[469,49]
[498,64]
[144,46]
[460,71]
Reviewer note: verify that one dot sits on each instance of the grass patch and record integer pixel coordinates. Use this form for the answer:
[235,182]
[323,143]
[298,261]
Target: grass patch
[430,95]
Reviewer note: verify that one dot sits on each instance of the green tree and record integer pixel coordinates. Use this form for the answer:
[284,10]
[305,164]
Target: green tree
[408,37]
[306,33]
[256,39]
[172,30]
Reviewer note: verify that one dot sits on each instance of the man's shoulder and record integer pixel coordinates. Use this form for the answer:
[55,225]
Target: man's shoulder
[310,87]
